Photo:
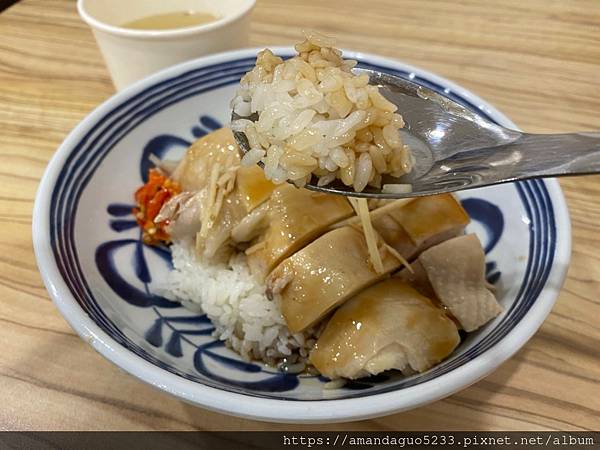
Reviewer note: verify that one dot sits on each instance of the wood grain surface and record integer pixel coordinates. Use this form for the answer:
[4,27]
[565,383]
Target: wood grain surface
[536,60]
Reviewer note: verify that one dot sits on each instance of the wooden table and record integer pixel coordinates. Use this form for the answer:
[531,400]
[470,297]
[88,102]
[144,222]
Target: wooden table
[537,60]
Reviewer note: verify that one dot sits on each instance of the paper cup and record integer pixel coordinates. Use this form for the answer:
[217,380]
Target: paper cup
[132,54]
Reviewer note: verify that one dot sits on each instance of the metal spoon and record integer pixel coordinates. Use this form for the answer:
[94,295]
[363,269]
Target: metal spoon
[455,148]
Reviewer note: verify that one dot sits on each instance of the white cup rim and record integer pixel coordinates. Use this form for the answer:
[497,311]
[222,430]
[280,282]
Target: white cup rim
[162,34]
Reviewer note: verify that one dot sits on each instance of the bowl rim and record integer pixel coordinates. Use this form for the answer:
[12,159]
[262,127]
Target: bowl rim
[269,409]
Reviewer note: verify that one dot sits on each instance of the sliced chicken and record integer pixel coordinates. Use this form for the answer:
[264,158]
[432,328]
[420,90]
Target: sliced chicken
[216,151]
[455,271]
[387,326]
[218,196]
[413,226]
[410,226]
[194,170]
[219,147]
[296,217]
[324,274]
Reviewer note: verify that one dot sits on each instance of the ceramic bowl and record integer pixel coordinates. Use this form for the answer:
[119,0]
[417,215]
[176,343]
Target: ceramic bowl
[104,280]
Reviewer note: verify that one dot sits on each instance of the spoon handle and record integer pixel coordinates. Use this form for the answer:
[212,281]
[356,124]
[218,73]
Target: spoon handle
[557,154]
[521,156]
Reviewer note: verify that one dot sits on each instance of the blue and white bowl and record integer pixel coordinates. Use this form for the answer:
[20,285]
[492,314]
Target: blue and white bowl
[104,280]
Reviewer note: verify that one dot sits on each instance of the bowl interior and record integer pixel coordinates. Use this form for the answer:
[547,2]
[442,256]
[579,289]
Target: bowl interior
[115,278]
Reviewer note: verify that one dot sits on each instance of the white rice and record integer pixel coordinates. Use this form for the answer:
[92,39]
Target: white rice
[316,117]
[400,188]
[242,314]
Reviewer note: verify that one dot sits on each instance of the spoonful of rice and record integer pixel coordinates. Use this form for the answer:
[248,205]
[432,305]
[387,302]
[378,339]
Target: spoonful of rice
[320,122]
